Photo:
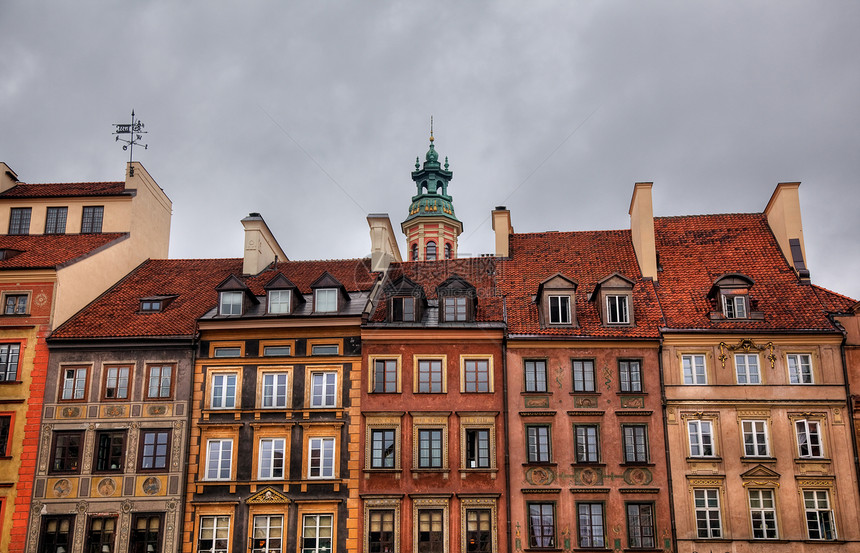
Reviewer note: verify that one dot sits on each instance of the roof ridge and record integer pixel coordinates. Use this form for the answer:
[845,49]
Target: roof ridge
[19,183]
[749,214]
[557,232]
[829,291]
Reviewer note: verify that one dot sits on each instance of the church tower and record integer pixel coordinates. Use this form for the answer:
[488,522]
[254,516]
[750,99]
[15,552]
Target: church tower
[431,228]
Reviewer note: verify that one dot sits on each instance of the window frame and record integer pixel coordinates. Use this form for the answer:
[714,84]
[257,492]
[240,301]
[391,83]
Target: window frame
[322,401]
[736,305]
[478,422]
[817,492]
[74,387]
[224,396]
[560,314]
[439,541]
[694,379]
[380,457]
[323,298]
[271,458]
[712,532]
[420,381]
[77,459]
[386,540]
[19,225]
[626,381]
[466,382]
[318,526]
[751,371]
[20,304]
[320,463]
[700,435]
[220,463]
[160,385]
[430,251]
[536,451]
[106,377]
[231,303]
[267,529]
[636,535]
[616,298]
[532,382]
[95,224]
[763,524]
[201,527]
[430,455]
[262,375]
[586,381]
[591,539]
[806,423]
[456,308]
[751,438]
[399,311]
[101,539]
[482,506]
[586,439]
[546,509]
[8,351]
[111,435]
[54,227]
[68,519]
[645,445]
[284,307]
[142,446]
[7,429]
[796,374]
[388,364]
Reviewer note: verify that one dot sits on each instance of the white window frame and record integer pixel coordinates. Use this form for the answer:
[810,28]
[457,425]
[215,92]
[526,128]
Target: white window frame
[800,368]
[327,388]
[76,386]
[263,523]
[690,369]
[584,377]
[266,460]
[587,443]
[622,309]
[279,301]
[809,435]
[321,450]
[762,504]
[559,314]
[735,306]
[214,524]
[636,442]
[224,396]
[325,300]
[318,527]
[230,303]
[538,443]
[701,434]
[269,394]
[706,502]
[482,450]
[817,504]
[747,369]
[754,433]
[219,459]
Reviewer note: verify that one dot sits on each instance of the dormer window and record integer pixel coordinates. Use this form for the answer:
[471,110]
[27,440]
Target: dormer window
[406,300]
[730,298]
[559,310]
[456,308]
[150,306]
[616,310]
[325,300]
[279,301]
[556,301]
[403,309]
[613,297]
[457,300]
[231,303]
[735,305]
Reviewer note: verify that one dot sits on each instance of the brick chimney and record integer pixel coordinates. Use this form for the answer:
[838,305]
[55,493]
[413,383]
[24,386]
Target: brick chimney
[261,248]
[503,229]
[642,229]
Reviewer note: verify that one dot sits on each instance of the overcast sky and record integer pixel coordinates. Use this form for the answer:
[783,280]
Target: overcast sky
[312,113]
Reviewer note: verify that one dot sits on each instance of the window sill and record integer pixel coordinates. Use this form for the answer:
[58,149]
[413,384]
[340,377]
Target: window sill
[442,470]
[381,470]
[756,459]
[636,464]
[802,460]
[540,464]
[479,470]
[641,549]
[635,394]
[585,393]
[588,464]
[536,393]
[5,457]
[704,459]
[711,540]
[536,549]
[10,382]
[591,549]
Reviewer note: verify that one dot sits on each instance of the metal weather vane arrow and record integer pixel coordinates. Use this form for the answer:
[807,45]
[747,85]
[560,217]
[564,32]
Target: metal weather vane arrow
[135,133]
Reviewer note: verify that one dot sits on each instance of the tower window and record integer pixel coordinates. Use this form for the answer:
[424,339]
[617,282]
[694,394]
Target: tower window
[414,255]
[448,251]
[430,251]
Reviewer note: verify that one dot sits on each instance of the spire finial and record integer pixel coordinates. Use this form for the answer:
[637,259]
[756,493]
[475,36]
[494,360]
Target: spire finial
[431,128]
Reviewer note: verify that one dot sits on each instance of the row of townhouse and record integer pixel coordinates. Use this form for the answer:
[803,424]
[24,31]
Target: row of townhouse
[678,386]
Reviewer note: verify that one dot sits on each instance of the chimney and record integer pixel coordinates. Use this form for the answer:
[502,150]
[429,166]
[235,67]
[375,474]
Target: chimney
[383,245]
[642,229]
[8,178]
[504,230]
[261,248]
[783,217]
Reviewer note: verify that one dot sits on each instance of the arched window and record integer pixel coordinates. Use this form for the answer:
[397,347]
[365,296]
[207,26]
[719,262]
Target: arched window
[414,252]
[447,251]
[430,254]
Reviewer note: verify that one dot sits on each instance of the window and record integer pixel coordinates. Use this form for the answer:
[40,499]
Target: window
[701,438]
[57,533]
[559,310]
[583,375]
[707,505]
[219,459]
[819,516]
[430,448]
[74,384]
[414,253]
[268,534]
[430,376]
[67,450]
[476,375]
[19,220]
[145,533]
[746,367]
[385,376]
[587,443]
[116,383]
[324,389]
[91,219]
[538,437]
[479,530]
[535,376]
[324,349]
[55,220]
[431,251]
[325,300]
[431,531]
[448,251]
[214,534]
[541,525]
[102,534]
[271,460]
[808,438]
[321,458]
[275,390]
[231,303]
[456,308]
[9,362]
[279,301]
[154,449]
[616,310]
[763,514]
[635,443]
[381,537]
[477,448]
[383,448]
[755,438]
[630,376]
[694,369]
[227,352]
[277,351]
[159,382]
[640,526]
[15,304]
[223,391]
[591,525]
[5,432]
[403,309]
[110,451]
[735,306]
[150,306]
[800,368]
[317,534]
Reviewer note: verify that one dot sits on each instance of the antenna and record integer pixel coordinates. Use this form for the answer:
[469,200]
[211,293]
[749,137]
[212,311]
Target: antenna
[431,128]
[135,133]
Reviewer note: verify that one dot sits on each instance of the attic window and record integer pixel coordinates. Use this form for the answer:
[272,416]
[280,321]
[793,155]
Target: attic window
[403,309]
[616,309]
[8,253]
[559,310]
[735,304]
[730,298]
[325,300]
[279,301]
[456,308]
[150,306]
[231,303]
[556,301]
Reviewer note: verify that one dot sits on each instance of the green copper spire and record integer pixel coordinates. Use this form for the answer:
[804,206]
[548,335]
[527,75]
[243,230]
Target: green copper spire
[431,182]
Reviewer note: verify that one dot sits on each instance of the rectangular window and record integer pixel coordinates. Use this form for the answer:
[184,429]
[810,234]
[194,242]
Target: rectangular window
[430,448]
[535,375]
[819,516]
[755,438]
[763,514]
[383,448]
[15,304]
[746,367]
[583,375]
[227,352]
[694,370]
[431,531]
[538,443]
[159,382]
[116,383]
[55,220]
[325,300]
[146,533]
[541,525]
[559,310]
[66,454]
[478,448]
[223,391]
[230,303]
[616,310]
[630,375]
[735,306]
[9,362]
[275,390]
[456,308]
[91,219]
[587,443]
[640,526]
[808,439]
[74,384]
[479,530]
[214,534]
[477,375]
[324,349]
[591,525]
[277,351]
[430,376]
[19,220]
[701,438]
[154,449]
[279,301]
[219,459]
[381,531]
[321,458]
[385,376]
[707,505]
[800,368]
[317,531]
[57,533]
[324,389]
[102,535]
[635,443]
[110,451]
[268,534]
[403,309]
[271,458]
[5,432]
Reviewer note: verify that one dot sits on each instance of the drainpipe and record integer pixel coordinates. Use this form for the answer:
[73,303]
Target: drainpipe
[507,428]
[666,446]
[850,409]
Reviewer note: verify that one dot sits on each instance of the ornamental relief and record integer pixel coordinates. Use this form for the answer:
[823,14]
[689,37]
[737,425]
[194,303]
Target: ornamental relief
[746,345]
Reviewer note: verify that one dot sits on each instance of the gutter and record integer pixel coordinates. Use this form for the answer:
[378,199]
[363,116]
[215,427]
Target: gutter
[507,428]
[666,447]
[850,403]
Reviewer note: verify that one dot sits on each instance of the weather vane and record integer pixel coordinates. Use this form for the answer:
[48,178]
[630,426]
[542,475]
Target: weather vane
[135,133]
[431,128]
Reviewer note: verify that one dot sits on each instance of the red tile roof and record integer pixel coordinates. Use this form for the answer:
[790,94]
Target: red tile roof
[585,257]
[695,250]
[833,302]
[354,274]
[47,251]
[63,190]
